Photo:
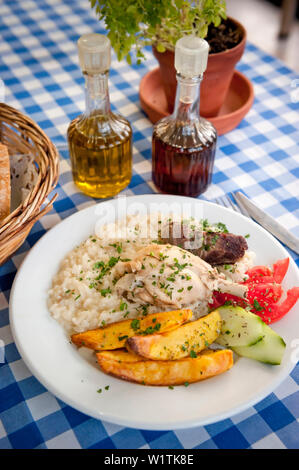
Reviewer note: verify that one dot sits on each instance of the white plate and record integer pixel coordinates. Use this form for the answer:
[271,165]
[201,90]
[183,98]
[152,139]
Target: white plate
[49,355]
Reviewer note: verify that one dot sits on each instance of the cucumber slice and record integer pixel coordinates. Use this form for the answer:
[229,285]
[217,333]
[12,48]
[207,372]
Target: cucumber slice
[239,327]
[269,349]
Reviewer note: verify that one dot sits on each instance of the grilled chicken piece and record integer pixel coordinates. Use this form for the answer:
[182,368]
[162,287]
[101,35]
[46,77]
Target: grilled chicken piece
[213,247]
[168,276]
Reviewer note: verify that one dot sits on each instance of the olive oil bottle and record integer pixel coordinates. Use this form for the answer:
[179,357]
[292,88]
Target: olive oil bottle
[100,142]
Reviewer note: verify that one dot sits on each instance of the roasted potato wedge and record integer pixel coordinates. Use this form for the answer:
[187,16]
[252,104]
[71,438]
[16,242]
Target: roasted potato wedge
[114,336]
[188,339]
[207,364]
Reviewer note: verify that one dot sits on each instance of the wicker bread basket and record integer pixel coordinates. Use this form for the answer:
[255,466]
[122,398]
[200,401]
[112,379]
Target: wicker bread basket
[23,136]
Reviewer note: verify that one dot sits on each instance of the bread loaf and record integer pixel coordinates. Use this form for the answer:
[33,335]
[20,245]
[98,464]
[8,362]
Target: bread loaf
[4,182]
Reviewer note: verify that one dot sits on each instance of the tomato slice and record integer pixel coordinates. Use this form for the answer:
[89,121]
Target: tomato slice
[264,293]
[221,298]
[276,312]
[280,269]
[261,300]
[259,271]
[260,280]
[263,274]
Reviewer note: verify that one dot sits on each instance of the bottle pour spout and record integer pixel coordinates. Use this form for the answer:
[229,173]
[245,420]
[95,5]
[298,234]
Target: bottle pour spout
[94,53]
[191,56]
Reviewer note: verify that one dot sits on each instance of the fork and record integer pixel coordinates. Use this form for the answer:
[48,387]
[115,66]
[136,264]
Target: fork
[227,201]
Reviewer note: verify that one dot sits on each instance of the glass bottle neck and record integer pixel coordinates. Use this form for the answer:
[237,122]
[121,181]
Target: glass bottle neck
[97,94]
[187,98]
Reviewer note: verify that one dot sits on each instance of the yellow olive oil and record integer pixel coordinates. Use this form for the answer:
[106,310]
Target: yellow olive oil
[100,142]
[101,161]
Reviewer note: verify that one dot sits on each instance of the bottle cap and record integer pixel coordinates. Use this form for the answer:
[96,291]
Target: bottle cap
[94,53]
[191,56]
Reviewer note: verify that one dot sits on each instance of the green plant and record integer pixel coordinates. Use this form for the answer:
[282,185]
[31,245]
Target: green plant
[160,23]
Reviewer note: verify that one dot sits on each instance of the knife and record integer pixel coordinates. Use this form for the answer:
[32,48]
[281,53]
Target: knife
[268,222]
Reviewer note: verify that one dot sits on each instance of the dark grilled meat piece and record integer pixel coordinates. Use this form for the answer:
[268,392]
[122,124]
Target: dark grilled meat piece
[227,249]
[213,247]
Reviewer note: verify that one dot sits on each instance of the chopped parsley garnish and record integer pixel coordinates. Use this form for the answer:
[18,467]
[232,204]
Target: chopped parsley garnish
[193,354]
[104,292]
[135,324]
[105,268]
[112,262]
[144,309]
[99,264]
[257,306]
[179,266]
[150,330]
[117,246]
[121,338]
[222,227]
[123,306]
[100,389]
[214,239]
[205,224]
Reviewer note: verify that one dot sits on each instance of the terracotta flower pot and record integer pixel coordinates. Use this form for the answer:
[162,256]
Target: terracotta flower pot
[216,80]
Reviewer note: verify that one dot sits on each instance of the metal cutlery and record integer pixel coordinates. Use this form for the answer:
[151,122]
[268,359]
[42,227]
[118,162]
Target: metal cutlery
[248,208]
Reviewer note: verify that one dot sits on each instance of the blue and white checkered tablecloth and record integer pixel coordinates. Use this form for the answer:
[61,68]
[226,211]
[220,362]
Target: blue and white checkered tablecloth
[39,66]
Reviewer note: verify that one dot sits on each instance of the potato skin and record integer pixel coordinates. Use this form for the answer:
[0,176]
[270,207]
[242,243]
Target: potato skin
[187,370]
[114,335]
[176,344]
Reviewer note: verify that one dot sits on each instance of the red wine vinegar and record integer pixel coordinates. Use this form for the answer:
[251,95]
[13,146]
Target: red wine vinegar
[179,170]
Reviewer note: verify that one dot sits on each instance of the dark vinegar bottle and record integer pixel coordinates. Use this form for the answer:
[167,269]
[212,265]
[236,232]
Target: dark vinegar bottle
[184,144]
